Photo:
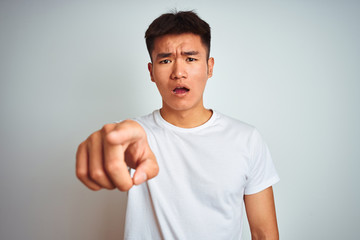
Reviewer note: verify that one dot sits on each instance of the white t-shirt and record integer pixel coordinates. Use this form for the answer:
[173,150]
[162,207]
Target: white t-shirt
[204,173]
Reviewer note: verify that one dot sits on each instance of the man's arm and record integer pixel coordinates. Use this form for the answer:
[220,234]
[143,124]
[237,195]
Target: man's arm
[260,210]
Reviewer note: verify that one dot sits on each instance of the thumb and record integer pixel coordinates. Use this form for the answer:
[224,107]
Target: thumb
[146,170]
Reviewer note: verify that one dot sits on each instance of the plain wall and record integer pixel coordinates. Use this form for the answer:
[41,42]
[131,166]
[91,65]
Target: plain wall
[291,68]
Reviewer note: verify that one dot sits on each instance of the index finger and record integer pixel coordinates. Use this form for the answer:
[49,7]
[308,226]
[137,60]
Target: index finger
[125,132]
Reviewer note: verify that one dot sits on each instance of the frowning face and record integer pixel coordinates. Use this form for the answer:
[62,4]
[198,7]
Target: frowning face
[180,69]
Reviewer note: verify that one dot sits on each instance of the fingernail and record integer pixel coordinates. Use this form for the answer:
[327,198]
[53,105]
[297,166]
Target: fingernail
[140,178]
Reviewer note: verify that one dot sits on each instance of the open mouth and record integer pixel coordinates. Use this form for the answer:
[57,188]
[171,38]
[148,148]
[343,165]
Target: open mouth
[180,90]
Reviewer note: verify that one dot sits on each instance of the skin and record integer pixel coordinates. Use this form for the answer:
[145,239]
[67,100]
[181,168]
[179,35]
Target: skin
[102,160]
[181,60]
[261,214]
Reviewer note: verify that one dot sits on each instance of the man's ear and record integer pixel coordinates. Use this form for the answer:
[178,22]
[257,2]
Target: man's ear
[150,68]
[210,67]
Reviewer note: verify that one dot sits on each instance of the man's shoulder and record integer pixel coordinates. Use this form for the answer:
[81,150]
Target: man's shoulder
[147,120]
[233,123]
[146,117]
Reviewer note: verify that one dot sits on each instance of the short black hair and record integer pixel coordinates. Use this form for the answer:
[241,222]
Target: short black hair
[178,22]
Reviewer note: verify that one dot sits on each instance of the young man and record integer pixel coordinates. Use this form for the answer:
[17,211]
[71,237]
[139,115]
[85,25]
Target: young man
[209,164]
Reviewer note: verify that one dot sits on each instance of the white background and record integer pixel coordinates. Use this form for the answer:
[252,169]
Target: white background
[291,68]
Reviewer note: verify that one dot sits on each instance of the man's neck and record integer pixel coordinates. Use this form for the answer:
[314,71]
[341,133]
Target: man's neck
[187,118]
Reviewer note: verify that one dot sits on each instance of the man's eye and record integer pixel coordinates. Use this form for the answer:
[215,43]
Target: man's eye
[191,59]
[165,61]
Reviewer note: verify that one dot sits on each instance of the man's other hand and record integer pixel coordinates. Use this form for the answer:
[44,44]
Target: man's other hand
[102,160]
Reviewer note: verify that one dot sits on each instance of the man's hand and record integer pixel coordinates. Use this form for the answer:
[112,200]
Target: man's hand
[102,160]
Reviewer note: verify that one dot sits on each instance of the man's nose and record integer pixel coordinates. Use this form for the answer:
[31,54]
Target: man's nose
[179,70]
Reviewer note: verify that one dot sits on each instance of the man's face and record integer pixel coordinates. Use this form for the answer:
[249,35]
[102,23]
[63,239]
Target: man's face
[180,70]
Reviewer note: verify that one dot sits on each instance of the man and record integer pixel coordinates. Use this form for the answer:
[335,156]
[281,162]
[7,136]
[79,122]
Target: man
[209,164]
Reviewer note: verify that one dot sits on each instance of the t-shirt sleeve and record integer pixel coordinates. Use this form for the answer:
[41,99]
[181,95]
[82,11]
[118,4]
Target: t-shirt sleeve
[262,172]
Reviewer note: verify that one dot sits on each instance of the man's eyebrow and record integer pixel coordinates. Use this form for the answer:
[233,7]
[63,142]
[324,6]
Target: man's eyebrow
[163,55]
[190,53]
[166,55]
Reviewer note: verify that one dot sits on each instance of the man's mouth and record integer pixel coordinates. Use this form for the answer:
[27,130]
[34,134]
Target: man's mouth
[180,90]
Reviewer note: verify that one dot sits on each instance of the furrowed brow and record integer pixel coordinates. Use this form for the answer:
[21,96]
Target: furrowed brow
[163,55]
[190,53]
